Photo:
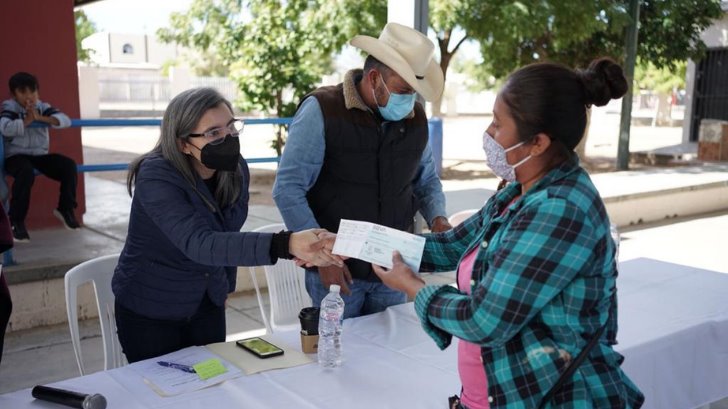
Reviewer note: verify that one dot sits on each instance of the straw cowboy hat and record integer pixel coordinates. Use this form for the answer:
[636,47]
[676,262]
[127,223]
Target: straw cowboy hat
[410,54]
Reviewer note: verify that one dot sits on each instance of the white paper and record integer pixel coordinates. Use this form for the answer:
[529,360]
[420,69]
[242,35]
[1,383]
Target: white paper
[375,243]
[169,381]
[251,364]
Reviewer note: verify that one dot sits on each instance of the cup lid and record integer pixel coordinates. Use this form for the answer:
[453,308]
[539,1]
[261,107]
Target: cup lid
[309,313]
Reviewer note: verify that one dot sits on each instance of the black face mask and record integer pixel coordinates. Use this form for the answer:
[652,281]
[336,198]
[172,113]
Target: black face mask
[223,156]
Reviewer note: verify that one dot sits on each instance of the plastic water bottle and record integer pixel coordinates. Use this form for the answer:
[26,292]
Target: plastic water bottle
[330,320]
[615,238]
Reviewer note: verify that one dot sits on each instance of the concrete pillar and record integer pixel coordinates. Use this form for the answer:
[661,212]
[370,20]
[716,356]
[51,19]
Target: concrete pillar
[451,93]
[52,59]
[713,140]
[88,92]
[180,79]
[410,13]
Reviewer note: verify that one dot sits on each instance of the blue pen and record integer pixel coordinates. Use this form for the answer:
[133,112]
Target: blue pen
[181,367]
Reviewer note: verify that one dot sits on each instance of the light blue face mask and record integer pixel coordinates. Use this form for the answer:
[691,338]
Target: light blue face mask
[398,106]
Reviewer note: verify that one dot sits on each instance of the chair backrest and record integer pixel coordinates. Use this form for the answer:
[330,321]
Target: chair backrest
[286,290]
[98,271]
[461,216]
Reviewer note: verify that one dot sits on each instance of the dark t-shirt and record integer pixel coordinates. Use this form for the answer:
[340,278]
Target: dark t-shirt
[211,184]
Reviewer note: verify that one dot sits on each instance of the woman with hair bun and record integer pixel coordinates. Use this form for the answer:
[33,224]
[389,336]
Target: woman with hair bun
[535,311]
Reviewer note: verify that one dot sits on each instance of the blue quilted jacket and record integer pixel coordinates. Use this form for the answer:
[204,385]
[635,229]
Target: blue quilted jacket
[178,249]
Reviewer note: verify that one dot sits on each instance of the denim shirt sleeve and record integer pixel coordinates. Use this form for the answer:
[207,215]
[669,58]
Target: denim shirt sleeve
[428,189]
[300,165]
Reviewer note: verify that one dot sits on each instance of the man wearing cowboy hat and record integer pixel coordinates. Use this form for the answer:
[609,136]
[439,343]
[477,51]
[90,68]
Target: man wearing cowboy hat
[358,150]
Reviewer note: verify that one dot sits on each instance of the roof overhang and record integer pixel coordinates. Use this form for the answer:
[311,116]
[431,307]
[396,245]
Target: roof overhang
[77,3]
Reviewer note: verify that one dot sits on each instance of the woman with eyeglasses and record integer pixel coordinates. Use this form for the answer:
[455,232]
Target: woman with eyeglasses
[190,200]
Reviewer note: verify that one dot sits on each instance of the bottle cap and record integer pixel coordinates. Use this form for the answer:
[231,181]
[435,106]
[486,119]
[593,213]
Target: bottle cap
[335,288]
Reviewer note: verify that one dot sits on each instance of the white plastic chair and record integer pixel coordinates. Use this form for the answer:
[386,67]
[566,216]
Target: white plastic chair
[98,271]
[461,216]
[286,290]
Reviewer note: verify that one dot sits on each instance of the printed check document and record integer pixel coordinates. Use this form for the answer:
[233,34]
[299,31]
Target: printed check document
[375,243]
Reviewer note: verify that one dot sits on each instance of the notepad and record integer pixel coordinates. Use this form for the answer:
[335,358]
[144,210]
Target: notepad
[210,369]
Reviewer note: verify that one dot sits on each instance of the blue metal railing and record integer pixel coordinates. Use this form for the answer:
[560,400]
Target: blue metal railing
[78,123]
[434,125]
[104,167]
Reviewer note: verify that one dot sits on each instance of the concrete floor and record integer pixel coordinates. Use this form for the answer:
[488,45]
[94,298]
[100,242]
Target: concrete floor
[45,354]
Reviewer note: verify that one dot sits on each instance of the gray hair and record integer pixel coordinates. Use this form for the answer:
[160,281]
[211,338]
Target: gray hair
[180,119]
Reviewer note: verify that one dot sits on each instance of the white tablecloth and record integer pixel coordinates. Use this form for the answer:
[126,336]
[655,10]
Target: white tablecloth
[673,332]
[388,362]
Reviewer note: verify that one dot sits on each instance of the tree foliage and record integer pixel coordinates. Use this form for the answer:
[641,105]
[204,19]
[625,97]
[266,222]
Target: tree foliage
[574,33]
[276,50]
[84,28]
[662,80]
[351,17]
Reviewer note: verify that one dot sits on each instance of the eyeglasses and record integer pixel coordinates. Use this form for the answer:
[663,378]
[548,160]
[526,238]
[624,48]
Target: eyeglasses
[217,135]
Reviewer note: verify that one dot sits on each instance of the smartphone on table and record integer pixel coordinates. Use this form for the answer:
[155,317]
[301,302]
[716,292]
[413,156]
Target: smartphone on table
[259,347]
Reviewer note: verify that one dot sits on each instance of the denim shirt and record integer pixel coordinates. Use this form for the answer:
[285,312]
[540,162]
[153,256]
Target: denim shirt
[303,158]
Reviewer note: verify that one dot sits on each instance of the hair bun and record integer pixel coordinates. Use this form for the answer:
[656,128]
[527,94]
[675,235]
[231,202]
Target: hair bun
[603,81]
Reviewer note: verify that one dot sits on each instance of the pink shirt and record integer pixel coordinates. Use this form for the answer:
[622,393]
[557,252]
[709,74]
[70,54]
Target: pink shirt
[470,362]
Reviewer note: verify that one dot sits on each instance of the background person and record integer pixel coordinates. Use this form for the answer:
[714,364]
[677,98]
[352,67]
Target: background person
[26,150]
[536,268]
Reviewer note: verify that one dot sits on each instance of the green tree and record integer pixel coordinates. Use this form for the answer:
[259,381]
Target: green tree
[348,18]
[663,82]
[574,33]
[277,51]
[84,28]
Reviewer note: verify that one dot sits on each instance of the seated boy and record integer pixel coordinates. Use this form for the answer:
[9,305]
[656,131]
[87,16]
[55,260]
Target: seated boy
[26,150]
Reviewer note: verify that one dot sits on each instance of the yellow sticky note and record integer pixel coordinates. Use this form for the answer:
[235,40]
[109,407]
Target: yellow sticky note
[210,368]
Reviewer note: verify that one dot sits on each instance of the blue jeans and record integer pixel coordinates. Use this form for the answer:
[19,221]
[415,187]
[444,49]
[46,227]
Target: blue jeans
[142,337]
[366,297]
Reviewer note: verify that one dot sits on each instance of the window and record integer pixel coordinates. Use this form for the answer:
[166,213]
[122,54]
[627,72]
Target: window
[127,49]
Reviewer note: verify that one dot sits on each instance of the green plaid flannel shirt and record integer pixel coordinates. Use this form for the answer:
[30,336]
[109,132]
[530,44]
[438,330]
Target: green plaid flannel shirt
[543,284]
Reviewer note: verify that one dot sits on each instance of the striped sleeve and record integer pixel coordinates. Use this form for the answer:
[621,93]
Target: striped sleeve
[9,115]
[540,253]
[63,120]
[11,124]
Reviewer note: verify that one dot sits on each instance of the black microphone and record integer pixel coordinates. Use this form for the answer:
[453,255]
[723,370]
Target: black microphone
[69,398]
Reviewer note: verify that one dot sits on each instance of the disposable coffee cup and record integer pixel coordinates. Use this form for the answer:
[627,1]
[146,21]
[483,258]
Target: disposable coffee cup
[309,318]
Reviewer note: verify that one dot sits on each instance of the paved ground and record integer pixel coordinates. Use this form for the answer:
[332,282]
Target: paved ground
[44,354]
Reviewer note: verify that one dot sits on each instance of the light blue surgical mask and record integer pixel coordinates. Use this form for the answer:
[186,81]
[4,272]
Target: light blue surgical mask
[398,106]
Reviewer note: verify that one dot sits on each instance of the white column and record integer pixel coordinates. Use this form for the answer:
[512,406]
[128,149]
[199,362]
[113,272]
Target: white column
[179,80]
[88,92]
[411,13]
